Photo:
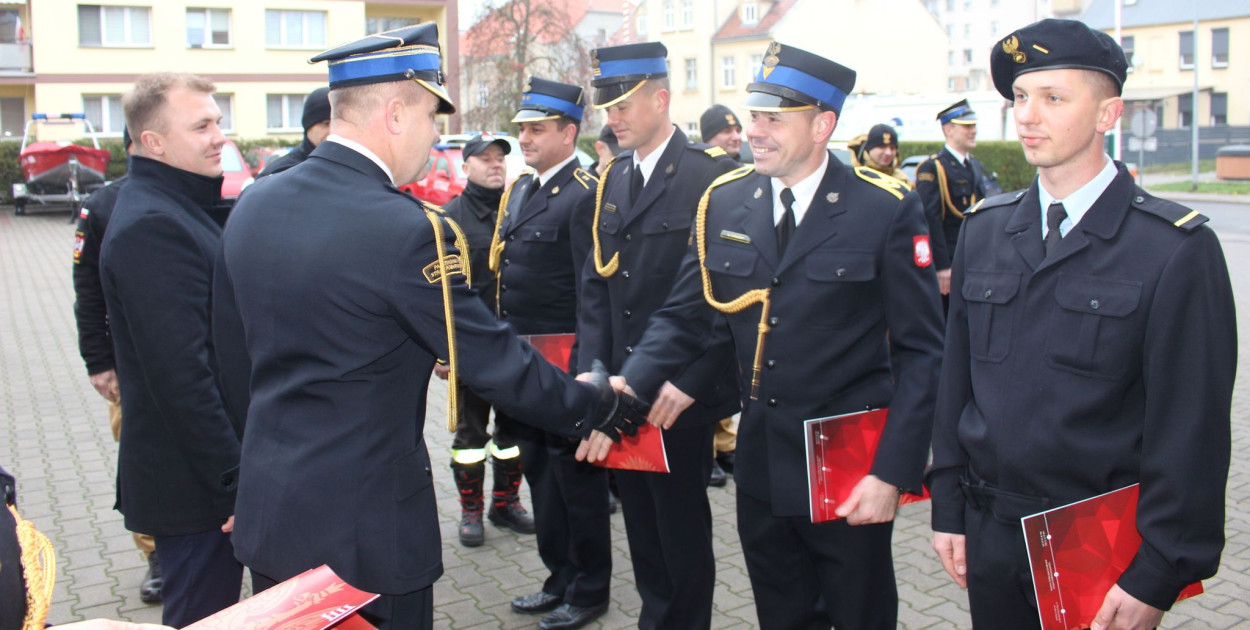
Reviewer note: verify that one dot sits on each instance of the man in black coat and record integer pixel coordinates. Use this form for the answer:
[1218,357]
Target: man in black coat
[540,252]
[647,197]
[179,448]
[316,122]
[822,265]
[949,183]
[1091,345]
[334,294]
[475,211]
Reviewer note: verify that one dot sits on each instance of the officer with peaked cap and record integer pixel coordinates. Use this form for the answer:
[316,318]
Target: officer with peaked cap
[647,199]
[820,275]
[334,294]
[1091,345]
[949,183]
[878,150]
[316,123]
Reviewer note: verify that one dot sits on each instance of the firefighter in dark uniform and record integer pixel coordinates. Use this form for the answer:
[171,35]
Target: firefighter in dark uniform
[316,123]
[540,251]
[949,183]
[334,294]
[878,150]
[1091,345]
[475,211]
[720,127]
[646,201]
[820,274]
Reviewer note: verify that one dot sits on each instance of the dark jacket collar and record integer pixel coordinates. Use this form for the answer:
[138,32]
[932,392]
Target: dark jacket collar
[202,190]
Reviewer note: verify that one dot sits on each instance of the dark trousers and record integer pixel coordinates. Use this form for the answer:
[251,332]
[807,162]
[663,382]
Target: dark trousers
[1000,584]
[807,576]
[201,576]
[570,500]
[473,420]
[410,611]
[669,525]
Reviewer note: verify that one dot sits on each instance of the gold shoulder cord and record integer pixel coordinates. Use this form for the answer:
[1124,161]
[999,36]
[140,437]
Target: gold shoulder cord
[39,565]
[452,362]
[744,301]
[604,270]
[496,245]
[947,203]
[462,244]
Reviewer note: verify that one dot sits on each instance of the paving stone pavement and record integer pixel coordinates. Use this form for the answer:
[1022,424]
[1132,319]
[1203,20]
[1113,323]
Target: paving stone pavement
[54,436]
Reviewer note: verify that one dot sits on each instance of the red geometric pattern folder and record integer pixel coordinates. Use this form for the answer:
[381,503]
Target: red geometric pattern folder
[316,599]
[555,348]
[1078,551]
[840,451]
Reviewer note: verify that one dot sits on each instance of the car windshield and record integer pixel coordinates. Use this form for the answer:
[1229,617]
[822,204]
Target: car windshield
[230,160]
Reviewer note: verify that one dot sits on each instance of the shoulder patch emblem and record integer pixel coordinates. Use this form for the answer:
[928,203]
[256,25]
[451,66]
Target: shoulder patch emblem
[921,254]
[886,183]
[449,265]
[715,152]
[585,178]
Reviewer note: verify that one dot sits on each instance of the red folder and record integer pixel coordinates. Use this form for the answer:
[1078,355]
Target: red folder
[1077,553]
[313,600]
[644,451]
[840,451]
[555,348]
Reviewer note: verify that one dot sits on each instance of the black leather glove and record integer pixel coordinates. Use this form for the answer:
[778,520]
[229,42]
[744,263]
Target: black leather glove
[616,413]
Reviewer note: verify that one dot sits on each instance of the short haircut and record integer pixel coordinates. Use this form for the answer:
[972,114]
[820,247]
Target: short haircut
[364,97]
[143,103]
[658,83]
[1103,85]
[565,121]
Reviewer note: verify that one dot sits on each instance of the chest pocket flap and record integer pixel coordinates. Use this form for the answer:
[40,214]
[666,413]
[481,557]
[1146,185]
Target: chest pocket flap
[541,233]
[991,287]
[840,266]
[660,222]
[738,262]
[1097,296]
[610,222]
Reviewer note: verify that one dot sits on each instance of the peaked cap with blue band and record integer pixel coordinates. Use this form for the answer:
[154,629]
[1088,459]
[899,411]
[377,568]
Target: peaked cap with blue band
[619,70]
[791,79]
[960,113]
[547,100]
[1054,44]
[408,53]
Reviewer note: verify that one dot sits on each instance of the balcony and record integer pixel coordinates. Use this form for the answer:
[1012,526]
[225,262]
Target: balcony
[15,58]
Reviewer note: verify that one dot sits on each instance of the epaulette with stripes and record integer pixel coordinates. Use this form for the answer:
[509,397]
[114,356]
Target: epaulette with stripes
[1184,219]
[882,181]
[585,178]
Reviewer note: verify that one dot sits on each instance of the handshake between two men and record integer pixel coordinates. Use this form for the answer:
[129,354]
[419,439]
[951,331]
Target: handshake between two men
[619,411]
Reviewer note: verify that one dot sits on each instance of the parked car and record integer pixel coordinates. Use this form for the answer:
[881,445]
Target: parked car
[444,178]
[910,164]
[235,170]
[258,157]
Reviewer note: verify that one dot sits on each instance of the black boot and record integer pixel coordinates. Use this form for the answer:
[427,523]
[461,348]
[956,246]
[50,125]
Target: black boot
[150,587]
[505,507]
[469,478]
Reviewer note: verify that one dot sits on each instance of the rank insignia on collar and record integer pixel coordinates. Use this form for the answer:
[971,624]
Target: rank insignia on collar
[759,192]
[668,170]
[610,207]
[555,191]
[832,197]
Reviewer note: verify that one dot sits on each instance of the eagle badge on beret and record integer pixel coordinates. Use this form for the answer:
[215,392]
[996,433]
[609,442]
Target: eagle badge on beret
[1011,46]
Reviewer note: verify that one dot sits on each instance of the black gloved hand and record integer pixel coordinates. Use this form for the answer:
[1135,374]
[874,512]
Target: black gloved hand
[616,413]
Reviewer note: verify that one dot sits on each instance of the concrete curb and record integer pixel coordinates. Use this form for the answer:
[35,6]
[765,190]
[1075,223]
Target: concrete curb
[1205,197]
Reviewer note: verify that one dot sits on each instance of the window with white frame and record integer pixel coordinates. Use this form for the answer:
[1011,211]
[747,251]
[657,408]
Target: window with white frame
[1219,47]
[687,13]
[295,29]
[1187,50]
[757,60]
[692,74]
[727,72]
[208,28]
[1219,108]
[114,26]
[968,30]
[950,57]
[1128,43]
[225,102]
[283,112]
[12,116]
[670,18]
[641,25]
[105,113]
[750,12]
[950,31]
[967,55]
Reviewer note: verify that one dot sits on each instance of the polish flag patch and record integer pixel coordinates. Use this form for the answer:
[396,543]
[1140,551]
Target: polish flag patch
[82,214]
[921,252]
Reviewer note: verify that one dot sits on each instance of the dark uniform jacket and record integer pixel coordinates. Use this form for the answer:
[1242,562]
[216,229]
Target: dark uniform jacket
[650,238]
[475,211]
[545,245]
[1108,363]
[292,157]
[332,274]
[179,449]
[946,203]
[94,343]
[12,581]
[851,273]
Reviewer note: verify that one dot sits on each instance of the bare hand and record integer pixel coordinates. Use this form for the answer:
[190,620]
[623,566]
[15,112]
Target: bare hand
[1121,611]
[668,405]
[595,448]
[106,384]
[952,551]
[620,386]
[229,526]
[872,501]
[109,624]
[944,281]
[441,370]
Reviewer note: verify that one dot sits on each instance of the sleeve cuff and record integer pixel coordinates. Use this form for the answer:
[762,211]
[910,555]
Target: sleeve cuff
[948,501]
[1148,585]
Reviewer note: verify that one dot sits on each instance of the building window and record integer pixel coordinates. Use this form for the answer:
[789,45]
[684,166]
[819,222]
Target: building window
[104,111]
[692,129]
[283,112]
[483,95]
[295,29]
[225,102]
[950,57]
[950,32]
[1129,44]
[750,12]
[114,26]
[967,5]
[669,17]
[692,74]
[967,55]
[727,72]
[757,63]
[641,27]
[950,85]
[1219,108]
[1185,108]
[1219,47]
[950,5]
[687,13]
[12,116]
[1187,50]
[208,28]
[994,28]
[994,3]
[968,30]
[383,24]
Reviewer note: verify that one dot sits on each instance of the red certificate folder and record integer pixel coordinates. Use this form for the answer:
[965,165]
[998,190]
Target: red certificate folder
[1078,551]
[313,600]
[555,348]
[840,451]
[644,451]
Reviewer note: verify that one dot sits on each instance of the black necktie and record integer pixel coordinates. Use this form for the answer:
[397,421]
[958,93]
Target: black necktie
[785,229]
[1055,215]
[635,186]
[530,191]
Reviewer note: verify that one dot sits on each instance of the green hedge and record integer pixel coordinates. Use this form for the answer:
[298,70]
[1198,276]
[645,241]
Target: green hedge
[1002,157]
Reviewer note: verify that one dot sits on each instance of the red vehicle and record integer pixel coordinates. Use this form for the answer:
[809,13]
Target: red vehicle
[444,178]
[58,172]
[235,171]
